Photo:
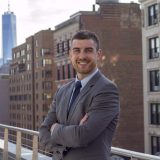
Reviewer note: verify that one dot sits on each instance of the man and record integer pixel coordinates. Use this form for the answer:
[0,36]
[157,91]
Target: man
[82,129]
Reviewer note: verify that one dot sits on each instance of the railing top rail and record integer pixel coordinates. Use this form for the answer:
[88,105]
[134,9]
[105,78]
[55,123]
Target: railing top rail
[133,154]
[114,150]
[19,129]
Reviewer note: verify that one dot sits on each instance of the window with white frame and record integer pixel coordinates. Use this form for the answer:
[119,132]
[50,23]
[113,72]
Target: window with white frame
[154,48]
[153,14]
[155,145]
[155,113]
[154,80]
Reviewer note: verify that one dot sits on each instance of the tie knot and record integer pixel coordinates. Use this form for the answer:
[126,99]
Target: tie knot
[78,84]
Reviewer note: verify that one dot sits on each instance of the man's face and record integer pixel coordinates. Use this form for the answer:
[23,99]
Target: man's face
[84,56]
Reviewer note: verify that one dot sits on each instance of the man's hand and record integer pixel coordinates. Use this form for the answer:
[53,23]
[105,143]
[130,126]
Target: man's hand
[52,128]
[84,119]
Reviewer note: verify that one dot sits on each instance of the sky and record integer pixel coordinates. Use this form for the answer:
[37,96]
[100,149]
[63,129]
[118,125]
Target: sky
[35,15]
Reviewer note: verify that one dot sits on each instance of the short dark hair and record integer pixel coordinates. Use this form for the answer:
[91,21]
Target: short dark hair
[85,34]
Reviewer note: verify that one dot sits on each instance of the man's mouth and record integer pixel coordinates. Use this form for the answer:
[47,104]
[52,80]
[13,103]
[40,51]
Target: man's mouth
[82,62]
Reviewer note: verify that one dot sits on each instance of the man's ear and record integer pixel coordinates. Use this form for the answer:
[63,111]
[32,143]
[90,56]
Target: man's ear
[100,54]
[101,58]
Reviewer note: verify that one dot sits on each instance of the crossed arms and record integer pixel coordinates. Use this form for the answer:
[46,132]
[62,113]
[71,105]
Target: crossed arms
[102,114]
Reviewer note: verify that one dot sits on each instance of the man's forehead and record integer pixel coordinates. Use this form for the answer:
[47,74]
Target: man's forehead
[84,42]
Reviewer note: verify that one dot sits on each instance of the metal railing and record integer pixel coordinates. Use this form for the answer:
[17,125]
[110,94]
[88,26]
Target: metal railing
[6,136]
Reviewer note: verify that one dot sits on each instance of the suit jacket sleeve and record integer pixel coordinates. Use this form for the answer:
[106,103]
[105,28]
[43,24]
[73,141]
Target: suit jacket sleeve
[104,110]
[44,131]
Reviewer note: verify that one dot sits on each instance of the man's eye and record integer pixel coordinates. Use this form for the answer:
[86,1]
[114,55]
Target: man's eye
[76,50]
[89,50]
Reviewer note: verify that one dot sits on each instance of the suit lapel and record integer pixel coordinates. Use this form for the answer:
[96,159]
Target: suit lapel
[67,97]
[84,91]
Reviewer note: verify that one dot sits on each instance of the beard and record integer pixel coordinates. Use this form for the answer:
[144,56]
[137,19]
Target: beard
[85,68]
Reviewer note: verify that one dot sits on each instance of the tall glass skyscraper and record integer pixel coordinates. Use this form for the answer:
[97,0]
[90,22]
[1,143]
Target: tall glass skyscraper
[9,35]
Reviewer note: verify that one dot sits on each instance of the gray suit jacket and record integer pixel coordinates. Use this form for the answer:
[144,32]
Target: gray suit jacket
[92,140]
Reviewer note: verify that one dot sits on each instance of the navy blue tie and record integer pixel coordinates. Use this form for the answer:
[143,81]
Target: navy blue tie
[78,86]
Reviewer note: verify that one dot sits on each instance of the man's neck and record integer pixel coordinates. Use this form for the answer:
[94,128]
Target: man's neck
[82,76]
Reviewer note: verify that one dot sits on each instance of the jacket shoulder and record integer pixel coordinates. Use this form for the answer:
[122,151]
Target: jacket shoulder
[65,86]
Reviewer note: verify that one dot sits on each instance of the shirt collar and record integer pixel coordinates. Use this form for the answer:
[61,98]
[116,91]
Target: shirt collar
[87,78]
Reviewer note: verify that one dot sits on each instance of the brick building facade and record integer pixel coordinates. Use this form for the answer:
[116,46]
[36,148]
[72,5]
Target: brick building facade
[31,80]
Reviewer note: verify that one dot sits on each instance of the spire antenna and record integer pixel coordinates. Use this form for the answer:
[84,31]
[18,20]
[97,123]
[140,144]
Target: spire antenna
[8,6]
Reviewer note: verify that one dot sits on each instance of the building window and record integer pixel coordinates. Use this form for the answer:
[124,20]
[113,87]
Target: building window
[58,74]
[154,48]
[14,55]
[152,14]
[155,145]
[28,57]
[47,96]
[47,85]
[57,48]
[46,62]
[69,71]
[47,74]
[155,113]
[45,51]
[28,67]
[18,54]
[61,47]
[63,72]
[66,46]
[36,43]
[28,47]
[22,52]
[155,80]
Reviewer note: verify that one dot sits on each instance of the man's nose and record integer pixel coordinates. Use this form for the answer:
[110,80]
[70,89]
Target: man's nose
[82,54]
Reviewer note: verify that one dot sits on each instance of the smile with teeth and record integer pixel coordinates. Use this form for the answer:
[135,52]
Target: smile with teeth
[82,62]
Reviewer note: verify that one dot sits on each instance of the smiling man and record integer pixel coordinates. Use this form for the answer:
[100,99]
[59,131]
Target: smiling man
[84,113]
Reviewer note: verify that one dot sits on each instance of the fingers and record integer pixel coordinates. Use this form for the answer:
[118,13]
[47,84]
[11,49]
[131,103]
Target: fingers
[52,127]
[84,119]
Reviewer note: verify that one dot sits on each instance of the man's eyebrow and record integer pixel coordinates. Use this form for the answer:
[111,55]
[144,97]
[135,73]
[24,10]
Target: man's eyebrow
[89,48]
[84,48]
[75,48]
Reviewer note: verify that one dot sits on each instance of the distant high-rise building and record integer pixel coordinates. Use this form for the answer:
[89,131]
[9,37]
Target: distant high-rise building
[9,38]
[1,62]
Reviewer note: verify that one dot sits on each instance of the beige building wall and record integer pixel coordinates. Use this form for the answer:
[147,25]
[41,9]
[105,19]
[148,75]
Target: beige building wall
[151,73]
